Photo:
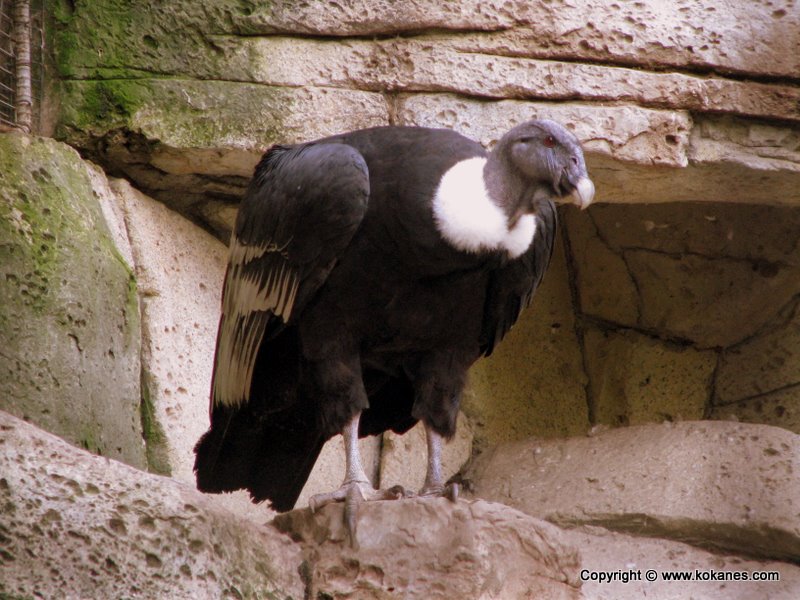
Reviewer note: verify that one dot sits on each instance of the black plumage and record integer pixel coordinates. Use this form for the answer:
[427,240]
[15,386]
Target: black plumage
[368,271]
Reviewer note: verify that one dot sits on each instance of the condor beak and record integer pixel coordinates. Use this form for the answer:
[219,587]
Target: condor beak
[583,194]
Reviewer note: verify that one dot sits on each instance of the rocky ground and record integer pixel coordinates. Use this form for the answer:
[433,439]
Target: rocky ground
[701,498]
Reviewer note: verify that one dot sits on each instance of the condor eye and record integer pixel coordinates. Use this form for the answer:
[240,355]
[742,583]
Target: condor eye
[549,141]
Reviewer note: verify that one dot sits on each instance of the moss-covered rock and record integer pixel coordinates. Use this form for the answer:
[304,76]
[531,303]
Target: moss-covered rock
[69,313]
[124,38]
[188,142]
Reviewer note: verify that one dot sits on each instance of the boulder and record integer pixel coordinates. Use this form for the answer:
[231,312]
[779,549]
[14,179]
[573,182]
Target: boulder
[719,485]
[180,269]
[434,548]
[69,309]
[75,525]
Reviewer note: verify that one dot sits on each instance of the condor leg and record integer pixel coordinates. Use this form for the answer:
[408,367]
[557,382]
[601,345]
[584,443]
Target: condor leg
[434,481]
[356,487]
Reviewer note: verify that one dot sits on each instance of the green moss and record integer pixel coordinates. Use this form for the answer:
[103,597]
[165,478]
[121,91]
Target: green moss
[117,35]
[93,32]
[102,105]
[88,442]
[154,437]
[37,211]
[5,596]
[177,113]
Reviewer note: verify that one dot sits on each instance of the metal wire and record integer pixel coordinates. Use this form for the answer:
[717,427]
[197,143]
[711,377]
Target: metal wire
[8,78]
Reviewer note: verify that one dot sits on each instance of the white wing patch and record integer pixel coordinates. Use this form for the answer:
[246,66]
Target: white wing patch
[249,300]
[469,220]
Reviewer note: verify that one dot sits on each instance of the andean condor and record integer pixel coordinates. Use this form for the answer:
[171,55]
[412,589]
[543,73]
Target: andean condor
[368,271]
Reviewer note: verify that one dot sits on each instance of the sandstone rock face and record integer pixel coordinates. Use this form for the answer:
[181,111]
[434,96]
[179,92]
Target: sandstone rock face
[69,311]
[436,549]
[663,103]
[179,269]
[691,103]
[701,298]
[636,379]
[715,485]
[79,526]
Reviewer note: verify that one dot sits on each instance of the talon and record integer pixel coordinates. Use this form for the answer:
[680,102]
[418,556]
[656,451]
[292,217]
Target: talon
[352,501]
[353,494]
[396,492]
[451,492]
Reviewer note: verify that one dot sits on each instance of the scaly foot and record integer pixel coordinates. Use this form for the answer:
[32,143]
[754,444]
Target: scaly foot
[449,491]
[353,493]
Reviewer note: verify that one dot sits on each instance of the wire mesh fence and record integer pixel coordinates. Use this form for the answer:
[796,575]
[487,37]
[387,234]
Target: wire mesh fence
[8,79]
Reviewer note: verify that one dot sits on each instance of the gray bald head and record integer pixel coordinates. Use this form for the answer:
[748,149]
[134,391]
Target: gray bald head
[546,160]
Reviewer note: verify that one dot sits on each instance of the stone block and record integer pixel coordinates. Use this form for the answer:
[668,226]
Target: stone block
[69,311]
[711,230]
[763,364]
[635,379]
[712,484]
[455,63]
[750,39]
[602,280]
[736,38]
[714,302]
[180,269]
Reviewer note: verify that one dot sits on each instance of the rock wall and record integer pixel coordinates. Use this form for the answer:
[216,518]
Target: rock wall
[681,105]
[61,342]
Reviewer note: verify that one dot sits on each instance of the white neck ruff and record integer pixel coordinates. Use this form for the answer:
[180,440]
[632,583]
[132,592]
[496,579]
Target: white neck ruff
[469,220]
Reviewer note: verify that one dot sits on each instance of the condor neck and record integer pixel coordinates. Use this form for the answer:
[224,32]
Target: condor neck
[473,214]
[505,186]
